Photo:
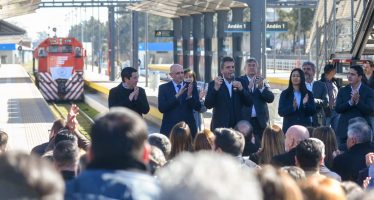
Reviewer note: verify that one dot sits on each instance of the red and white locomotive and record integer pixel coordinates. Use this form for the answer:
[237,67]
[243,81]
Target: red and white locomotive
[59,71]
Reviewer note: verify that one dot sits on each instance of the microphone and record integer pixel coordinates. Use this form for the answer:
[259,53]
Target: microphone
[233,79]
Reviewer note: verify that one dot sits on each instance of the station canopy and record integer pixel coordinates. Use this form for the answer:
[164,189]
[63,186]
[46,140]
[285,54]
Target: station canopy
[13,8]
[179,8]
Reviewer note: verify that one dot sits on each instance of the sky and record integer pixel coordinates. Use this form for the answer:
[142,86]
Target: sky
[44,19]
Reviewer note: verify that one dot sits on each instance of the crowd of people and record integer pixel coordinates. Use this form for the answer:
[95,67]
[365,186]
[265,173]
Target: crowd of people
[323,149]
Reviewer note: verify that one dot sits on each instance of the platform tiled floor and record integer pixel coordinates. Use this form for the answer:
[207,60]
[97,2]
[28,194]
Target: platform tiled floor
[25,116]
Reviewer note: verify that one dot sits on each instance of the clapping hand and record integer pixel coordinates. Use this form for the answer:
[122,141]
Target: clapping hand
[260,82]
[355,97]
[305,99]
[189,90]
[181,91]
[237,85]
[134,95]
[294,104]
[72,117]
[202,94]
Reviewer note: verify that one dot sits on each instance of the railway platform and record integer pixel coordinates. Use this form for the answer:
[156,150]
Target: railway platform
[25,115]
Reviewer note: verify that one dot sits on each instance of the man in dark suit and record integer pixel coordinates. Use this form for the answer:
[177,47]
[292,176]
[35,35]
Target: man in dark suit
[294,135]
[261,95]
[226,96]
[354,100]
[177,100]
[128,94]
[348,164]
[319,90]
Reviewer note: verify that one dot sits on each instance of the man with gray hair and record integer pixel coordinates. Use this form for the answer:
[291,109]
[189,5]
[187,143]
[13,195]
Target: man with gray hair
[194,177]
[252,143]
[348,164]
[319,90]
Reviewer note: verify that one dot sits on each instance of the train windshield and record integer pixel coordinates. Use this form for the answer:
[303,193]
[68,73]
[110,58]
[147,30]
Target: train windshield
[60,49]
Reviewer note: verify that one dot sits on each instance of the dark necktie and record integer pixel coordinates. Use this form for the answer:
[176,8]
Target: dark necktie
[179,87]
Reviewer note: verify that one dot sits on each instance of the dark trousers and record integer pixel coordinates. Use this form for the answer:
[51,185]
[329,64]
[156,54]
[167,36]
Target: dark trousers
[257,130]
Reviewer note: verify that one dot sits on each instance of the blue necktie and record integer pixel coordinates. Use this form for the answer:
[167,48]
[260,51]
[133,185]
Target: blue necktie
[179,87]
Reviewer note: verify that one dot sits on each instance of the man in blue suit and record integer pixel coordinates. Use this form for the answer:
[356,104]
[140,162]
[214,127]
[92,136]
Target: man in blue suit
[177,100]
[319,90]
[354,100]
[261,95]
[226,96]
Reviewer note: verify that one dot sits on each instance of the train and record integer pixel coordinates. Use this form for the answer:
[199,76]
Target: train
[58,66]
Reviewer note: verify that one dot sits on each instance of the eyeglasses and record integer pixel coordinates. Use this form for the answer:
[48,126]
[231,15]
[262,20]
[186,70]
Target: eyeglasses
[179,73]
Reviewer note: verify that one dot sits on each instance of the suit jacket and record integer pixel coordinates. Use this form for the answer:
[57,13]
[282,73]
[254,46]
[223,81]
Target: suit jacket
[178,109]
[348,164]
[285,159]
[364,108]
[226,110]
[119,96]
[321,99]
[260,101]
[300,116]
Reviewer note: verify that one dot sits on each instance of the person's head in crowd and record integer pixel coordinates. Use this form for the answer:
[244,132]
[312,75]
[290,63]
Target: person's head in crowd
[309,155]
[66,157]
[251,67]
[56,126]
[294,135]
[294,172]
[189,76]
[329,70]
[327,136]
[358,133]
[278,185]
[26,176]
[321,187]
[119,141]
[357,119]
[65,134]
[176,73]
[228,141]
[160,141]
[130,77]
[272,143]
[355,75]
[204,140]
[309,69]
[352,190]
[244,127]
[368,67]
[296,82]
[156,159]
[227,68]
[209,176]
[180,139]
[3,141]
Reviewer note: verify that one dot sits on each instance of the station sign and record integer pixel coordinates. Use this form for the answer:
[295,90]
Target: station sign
[164,33]
[238,27]
[277,26]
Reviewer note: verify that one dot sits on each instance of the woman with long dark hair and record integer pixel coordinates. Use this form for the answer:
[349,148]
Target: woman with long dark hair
[296,103]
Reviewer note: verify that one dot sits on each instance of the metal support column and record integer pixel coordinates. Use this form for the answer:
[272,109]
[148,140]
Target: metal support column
[186,35]
[258,32]
[135,39]
[237,16]
[208,34]
[197,35]
[111,44]
[221,21]
[176,37]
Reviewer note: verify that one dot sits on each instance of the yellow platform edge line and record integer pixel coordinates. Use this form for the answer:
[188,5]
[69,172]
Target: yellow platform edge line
[153,111]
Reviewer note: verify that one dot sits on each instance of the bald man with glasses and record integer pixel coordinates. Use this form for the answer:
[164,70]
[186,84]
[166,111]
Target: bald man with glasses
[177,100]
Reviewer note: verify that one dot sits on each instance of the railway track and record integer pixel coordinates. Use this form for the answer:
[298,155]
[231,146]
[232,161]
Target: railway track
[85,117]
